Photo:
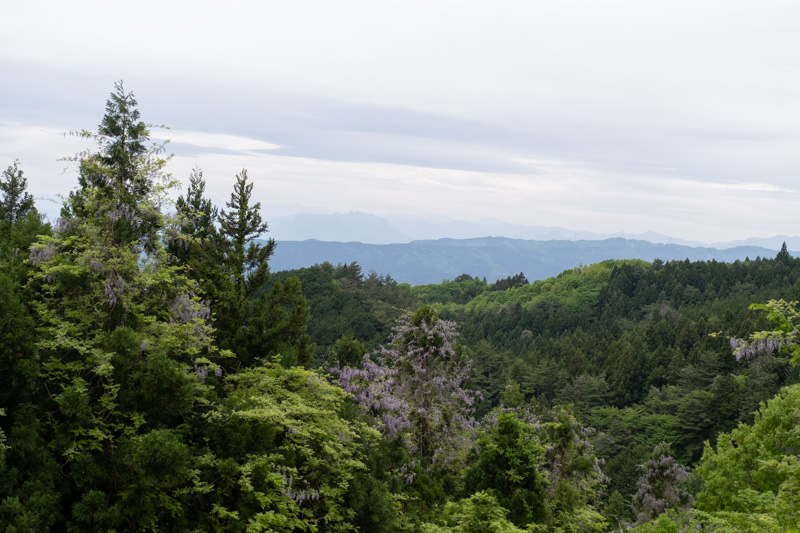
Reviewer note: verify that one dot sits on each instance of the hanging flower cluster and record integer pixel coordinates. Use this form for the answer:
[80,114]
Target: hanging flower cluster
[767,345]
[415,388]
[187,307]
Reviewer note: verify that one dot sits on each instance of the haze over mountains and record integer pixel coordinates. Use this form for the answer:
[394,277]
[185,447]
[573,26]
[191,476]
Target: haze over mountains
[421,250]
[400,228]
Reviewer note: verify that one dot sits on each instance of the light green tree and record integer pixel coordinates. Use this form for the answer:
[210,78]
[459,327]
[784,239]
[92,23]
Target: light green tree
[755,470]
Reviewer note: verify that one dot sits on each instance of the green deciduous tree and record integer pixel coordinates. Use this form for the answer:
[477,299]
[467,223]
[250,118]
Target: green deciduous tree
[480,513]
[285,458]
[755,469]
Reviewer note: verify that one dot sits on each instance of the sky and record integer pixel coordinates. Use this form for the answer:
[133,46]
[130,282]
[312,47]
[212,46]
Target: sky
[680,117]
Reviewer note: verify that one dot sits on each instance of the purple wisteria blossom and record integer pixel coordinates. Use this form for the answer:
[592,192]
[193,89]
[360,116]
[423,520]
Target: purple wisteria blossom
[748,349]
[186,308]
[113,289]
[659,488]
[121,211]
[415,388]
[41,253]
[62,225]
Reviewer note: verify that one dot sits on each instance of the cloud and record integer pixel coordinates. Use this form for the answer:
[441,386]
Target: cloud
[679,117]
[217,141]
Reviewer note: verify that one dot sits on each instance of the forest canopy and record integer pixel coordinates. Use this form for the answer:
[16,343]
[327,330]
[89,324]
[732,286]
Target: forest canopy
[158,376]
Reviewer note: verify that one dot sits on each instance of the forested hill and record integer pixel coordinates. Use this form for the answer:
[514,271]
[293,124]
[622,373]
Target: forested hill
[421,262]
[161,373]
[640,351]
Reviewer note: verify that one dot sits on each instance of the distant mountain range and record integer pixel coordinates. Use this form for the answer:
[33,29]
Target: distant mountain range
[392,229]
[431,261]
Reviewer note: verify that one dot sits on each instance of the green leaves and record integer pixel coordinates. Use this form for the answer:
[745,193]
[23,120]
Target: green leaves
[508,468]
[754,469]
[15,201]
[295,456]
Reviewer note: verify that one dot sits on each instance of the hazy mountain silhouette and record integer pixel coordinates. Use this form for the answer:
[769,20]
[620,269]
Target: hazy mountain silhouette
[431,261]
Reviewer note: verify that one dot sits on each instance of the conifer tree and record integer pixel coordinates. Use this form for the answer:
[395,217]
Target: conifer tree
[507,468]
[124,341]
[195,243]
[123,180]
[15,200]
[241,226]
[257,322]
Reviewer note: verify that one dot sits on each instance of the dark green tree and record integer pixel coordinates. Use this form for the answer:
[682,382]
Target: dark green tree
[124,345]
[195,242]
[257,322]
[347,351]
[15,200]
[241,226]
[122,180]
[507,468]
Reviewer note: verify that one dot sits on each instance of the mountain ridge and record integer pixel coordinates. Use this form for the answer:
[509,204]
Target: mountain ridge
[431,261]
[367,228]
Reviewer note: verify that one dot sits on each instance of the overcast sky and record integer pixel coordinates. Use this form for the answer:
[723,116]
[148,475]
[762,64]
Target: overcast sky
[681,117]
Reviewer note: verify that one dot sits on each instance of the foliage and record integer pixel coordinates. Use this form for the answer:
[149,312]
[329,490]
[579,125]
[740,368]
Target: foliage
[786,317]
[15,201]
[574,478]
[122,181]
[230,266]
[343,302]
[241,226]
[154,381]
[121,335]
[347,351]
[480,513]
[625,438]
[284,457]
[754,469]
[660,487]
[507,467]
[416,388]
[195,242]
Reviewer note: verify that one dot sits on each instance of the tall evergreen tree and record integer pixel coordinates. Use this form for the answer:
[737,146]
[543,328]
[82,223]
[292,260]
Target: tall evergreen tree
[124,345]
[123,179]
[241,226]
[195,243]
[255,321]
[15,200]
